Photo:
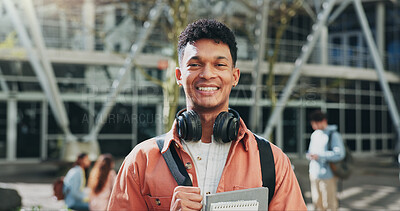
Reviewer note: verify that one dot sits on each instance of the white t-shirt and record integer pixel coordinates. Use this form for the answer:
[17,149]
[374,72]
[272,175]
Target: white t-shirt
[209,161]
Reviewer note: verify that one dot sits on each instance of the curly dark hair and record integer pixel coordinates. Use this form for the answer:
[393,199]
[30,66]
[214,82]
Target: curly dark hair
[317,116]
[208,29]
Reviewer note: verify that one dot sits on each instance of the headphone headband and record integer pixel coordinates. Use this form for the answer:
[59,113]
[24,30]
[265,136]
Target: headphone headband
[225,128]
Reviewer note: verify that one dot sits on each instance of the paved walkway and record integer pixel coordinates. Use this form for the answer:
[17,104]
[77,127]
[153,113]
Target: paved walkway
[374,184]
[36,196]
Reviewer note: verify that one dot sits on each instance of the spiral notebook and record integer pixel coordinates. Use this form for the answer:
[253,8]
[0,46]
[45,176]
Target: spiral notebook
[246,199]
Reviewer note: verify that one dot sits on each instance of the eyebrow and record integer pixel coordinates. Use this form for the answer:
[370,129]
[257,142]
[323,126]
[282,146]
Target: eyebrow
[194,58]
[198,58]
[222,57]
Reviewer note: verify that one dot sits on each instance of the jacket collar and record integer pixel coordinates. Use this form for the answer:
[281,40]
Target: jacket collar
[171,136]
[244,135]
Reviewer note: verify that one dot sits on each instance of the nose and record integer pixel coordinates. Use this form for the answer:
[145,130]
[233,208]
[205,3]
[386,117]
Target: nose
[207,72]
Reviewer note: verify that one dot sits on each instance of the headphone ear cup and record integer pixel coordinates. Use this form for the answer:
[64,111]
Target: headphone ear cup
[189,126]
[226,127]
[220,127]
[233,128]
[194,126]
[182,127]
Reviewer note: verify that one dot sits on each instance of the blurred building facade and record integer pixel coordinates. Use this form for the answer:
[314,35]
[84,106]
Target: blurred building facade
[87,41]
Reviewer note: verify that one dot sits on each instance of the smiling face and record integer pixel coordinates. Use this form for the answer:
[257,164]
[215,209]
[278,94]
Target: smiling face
[207,75]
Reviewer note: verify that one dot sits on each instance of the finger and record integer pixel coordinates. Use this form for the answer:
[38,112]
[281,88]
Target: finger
[187,189]
[184,204]
[186,198]
[190,205]
[195,197]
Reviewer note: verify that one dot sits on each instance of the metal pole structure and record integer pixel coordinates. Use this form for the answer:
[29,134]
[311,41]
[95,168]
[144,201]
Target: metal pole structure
[135,109]
[123,72]
[12,122]
[323,41]
[88,16]
[37,66]
[309,11]
[338,11]
[3,83]
[380,28]
[256,113]
[305,54]
[379,68]
[317,4]
[47,67]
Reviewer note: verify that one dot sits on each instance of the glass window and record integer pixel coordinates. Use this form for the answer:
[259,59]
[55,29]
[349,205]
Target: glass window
[378,121]
[350,99]
[350,84]
[244,112]
[365,121]
[332,97]
[366,145]
[78,116]
[307,143]
[118,148]
[377,86]
[315,82]
[266,114]
[54,149]
[119,120]
[351,143]
[333,116]
[353,52]
[350,116]
[239,92]
[391,144]
[290,127]
[378,144]
[245,78]
[29,129]
[365,85]
[378,100]
[365,99]
[389,122]
[146,122]
[52,125]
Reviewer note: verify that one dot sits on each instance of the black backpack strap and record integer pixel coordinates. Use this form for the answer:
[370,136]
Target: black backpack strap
[329,140]
[267,165]
[174,163]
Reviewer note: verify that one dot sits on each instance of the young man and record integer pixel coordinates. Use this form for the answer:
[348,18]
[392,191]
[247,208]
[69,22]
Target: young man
[207,57]
[74,184]
[323,182]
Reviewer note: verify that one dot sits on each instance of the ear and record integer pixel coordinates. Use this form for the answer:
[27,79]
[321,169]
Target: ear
[236,75]
[178,75]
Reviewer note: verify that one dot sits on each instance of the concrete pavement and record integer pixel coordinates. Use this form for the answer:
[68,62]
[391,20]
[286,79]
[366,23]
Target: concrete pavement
[374,184]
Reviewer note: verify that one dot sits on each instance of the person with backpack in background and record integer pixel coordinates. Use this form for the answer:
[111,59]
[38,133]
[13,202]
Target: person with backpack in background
[217,151]
[326,145]
[76,197]
[101,181]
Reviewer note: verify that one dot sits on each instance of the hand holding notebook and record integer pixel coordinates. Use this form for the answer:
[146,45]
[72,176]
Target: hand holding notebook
[247,199]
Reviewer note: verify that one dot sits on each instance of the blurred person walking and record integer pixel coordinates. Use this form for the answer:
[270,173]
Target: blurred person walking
[101,181]
[323,182]
[74,184]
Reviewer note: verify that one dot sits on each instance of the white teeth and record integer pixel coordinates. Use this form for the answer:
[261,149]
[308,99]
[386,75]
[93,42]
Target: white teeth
[207,88]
